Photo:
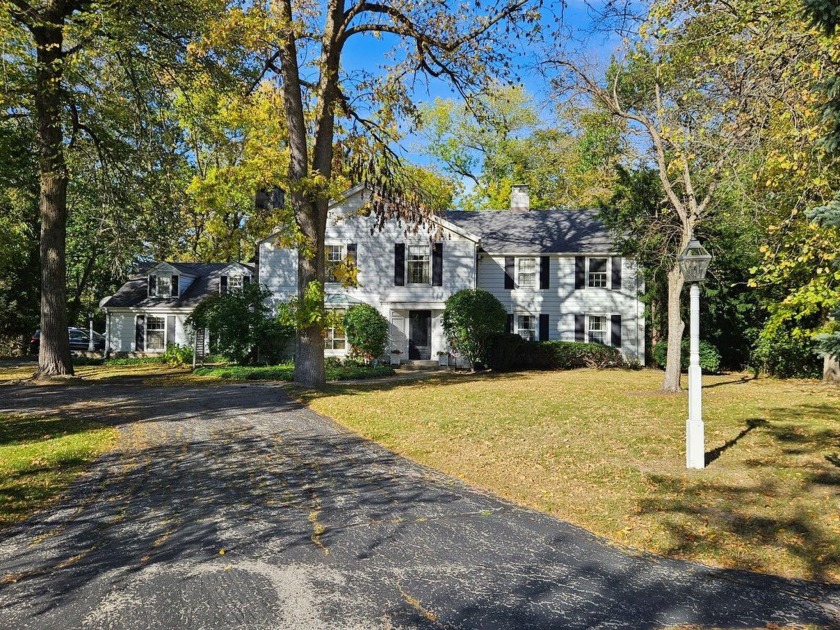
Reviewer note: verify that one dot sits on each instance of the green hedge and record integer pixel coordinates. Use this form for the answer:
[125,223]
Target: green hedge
[285,372]
[709,356]
[508,352]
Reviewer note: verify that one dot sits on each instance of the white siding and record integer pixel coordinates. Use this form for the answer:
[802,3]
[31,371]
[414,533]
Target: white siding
[562,301]
[121,331]
[375,259]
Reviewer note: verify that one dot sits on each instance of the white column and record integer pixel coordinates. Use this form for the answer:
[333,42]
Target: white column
[91,347]
[695,452]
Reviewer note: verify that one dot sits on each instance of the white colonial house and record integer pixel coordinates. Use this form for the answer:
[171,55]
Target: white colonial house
[556,272]
[149,312]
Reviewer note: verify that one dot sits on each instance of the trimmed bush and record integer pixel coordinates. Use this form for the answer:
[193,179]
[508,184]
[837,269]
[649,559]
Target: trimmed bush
[508,352]
[366,330]
[177,355]
[471,316]
[709,356]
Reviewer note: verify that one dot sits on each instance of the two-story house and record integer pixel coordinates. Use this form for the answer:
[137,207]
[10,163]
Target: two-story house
[556,272]
[149,312]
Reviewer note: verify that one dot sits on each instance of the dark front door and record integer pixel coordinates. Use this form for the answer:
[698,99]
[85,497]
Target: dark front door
[420,335]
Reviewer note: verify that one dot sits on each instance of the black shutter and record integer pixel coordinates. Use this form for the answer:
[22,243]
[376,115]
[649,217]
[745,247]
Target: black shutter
[399,264]
[580,327]
[140,333]
[437,264]
[170,330]
[544,332]
[616,273]
[352,250]
[580,272]
[152,285]
[545,272]
[223,285]
[246,280]
[510,324]
[615,332]
[175,285]
[509,265]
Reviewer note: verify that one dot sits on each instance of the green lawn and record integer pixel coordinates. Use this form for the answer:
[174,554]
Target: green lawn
[39,457]
[605,450]
[286,371]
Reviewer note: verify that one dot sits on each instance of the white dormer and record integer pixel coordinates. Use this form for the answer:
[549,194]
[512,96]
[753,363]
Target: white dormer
[234,277]
[166,281]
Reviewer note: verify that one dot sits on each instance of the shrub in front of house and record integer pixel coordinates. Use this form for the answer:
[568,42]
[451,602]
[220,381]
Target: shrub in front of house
[709,356]
[508,352]
[241,326]
[470,317]
[366,331]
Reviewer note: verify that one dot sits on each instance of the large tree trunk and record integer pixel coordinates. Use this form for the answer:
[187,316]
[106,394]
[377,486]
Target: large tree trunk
[675,331]
[831,370]
[309,345]
[54,355]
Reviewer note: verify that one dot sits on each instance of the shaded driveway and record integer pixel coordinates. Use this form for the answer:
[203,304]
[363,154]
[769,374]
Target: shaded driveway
[233,507]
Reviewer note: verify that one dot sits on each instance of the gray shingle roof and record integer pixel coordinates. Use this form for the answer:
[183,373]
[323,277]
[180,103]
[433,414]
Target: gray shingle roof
[536,231]
[135,292]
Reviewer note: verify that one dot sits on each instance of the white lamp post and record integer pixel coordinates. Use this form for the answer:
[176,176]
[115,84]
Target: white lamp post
[91,347]
[694,261]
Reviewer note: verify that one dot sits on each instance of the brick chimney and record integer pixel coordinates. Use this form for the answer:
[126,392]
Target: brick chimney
[520,200]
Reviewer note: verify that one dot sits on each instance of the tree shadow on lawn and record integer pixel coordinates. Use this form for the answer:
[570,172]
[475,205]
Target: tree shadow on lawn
[744,512]
[282,498]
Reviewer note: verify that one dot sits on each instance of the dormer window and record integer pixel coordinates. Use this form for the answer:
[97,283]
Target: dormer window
[164,286]
[233,282]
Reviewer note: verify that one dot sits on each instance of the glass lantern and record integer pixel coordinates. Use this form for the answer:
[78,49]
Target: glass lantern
[694,261]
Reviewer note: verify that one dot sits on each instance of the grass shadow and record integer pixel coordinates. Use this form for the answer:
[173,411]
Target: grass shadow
[715,453]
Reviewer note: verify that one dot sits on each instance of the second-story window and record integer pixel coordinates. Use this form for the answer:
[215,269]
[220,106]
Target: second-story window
[164,286]
[597,276]
[234,283]
[418,264]
[335,255]
[527,273]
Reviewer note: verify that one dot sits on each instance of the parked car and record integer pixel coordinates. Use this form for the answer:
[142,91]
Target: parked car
[79,340]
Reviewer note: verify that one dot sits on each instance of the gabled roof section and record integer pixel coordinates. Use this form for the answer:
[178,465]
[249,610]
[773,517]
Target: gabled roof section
[135,292]
[536,231]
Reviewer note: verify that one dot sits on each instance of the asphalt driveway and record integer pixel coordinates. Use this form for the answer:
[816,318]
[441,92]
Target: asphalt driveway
[233,507]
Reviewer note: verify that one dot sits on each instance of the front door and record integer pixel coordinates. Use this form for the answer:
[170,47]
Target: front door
[420,335]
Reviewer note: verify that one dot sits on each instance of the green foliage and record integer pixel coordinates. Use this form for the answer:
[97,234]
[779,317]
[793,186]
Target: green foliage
[709,356]
[502,140]
[508,352]
[128,361]
[366,330]
[285,372]
[784,356]
[240,326]
[469,318]
[302,312]
[177,355]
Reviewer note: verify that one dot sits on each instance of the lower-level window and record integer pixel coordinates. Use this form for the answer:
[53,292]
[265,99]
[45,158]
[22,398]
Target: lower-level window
[334,338]
[527,327]
[155,333]
[597,332]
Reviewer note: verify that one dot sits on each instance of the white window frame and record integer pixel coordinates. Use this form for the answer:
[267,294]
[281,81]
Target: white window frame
[235,282]
[147,340]
[424,259]
[330,337]
[330,261]
[526,333]
[164,286]
[602,278]
[522,277]
[602,335]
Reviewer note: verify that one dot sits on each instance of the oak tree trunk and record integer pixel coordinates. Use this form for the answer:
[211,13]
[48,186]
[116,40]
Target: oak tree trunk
[676,326]
[309,344]
[54,353]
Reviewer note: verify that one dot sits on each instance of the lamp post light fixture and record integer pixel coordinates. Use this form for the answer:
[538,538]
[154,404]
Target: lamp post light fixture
[91,346]
[694,261]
